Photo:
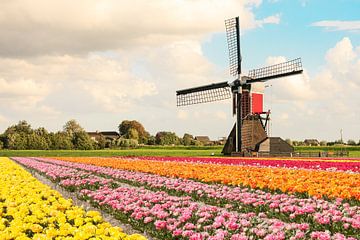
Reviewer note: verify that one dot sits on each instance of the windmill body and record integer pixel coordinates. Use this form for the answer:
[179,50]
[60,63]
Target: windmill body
[246,91]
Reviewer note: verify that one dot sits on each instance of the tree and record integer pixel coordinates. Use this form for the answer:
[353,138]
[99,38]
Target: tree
[34,141]
[82,141]
[151,140]
[187,139]
[60,140]
[166,138]
[125,143]
[351,142]
[288,140]
[101,142]
[125,127]
[16,141]
[22,127]
[72,127]
[2,141]
[133,134]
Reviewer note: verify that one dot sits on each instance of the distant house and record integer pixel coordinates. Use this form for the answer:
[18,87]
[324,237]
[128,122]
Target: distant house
[203,139]
[109,135]
[220,141]
[312,142]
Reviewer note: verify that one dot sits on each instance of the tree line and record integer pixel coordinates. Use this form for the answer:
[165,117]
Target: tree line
[22,136]
[322,143]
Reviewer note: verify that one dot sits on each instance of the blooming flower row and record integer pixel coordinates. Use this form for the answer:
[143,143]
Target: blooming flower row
[323,212]
[320,210]
[31,210]
[352,165]
[169,216]
[312,182]
[235,160]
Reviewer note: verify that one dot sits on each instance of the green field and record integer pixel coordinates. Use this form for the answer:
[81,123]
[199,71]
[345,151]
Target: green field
[166,151]
[354,151]
[155,151]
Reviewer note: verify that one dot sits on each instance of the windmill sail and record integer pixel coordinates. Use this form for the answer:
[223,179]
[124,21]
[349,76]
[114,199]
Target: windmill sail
[203,94]
[233,39]
[275,71]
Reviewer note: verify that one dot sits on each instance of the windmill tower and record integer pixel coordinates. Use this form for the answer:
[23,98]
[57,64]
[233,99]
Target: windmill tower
[250,127]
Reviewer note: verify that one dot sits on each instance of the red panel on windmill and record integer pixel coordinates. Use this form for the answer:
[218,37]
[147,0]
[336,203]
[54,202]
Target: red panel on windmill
[257,102]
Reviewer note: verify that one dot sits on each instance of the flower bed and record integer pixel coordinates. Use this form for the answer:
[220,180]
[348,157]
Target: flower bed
[321,213]
[139,204]
[306,163]
[31,210]
[312,182]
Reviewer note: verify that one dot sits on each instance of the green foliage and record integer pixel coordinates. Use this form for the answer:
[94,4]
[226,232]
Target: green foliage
[126,126]
[35,141]
[1,144]
[125,143]
[166,138]
[82,141]
[16,141]
[151,140]
[22,127]
[60,140]
[196,143]
[71,127]
[187,139]
[144,151]
[101,142]
[133,134]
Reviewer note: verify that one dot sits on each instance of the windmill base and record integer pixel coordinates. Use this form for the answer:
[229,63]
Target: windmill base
[253,132]
[255,142]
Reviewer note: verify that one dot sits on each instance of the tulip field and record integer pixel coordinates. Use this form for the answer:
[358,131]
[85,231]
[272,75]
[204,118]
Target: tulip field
[181,198]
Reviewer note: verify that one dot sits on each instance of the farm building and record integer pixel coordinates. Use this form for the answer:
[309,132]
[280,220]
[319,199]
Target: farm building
[109,135]
[273,146]
[203,139]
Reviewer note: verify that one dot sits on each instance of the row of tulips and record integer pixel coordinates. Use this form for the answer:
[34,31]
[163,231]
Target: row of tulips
[309,182]
[352,165]
[31,210]
[141,214]
[323,214]
[234,160]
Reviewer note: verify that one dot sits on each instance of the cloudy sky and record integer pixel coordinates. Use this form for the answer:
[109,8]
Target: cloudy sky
[101,62]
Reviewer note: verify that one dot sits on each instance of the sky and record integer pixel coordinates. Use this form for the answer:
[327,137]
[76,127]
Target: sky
[101,62]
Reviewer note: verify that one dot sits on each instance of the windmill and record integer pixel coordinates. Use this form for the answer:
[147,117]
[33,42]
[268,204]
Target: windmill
[250,126]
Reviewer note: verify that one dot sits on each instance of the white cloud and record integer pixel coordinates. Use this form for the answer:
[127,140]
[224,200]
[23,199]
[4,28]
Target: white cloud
[338,25]
[22,93]
[290,88]
[323,102]
[274,19]
[100,60]
[272,60]
[39,27]
[111,83]
[341,56]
